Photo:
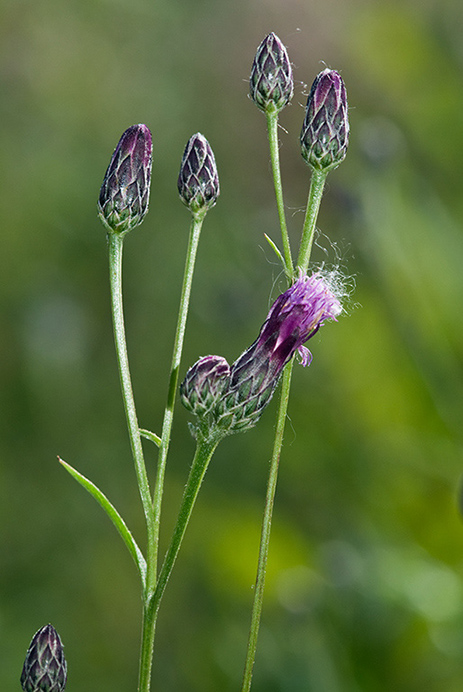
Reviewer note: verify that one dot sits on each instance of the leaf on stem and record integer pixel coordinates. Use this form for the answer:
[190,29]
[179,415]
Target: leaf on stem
[151,436]
[113,514]
[275,250]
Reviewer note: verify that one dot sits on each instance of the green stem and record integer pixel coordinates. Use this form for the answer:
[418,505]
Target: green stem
[195,232]
[317,185]
[313,205]
[152,597]
[116,243]
[204,451]
[272,127]
[147,648]
[266,527]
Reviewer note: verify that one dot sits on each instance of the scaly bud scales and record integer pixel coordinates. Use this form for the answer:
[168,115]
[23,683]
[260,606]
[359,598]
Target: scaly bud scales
[45,668]
[198,180]
[271,80]
[124,194]
[325,131]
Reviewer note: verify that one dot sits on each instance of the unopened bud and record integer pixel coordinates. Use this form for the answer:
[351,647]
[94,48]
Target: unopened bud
[45,667]
[198,180]
[204,384]
[271,81]
[325,131]
[124,194]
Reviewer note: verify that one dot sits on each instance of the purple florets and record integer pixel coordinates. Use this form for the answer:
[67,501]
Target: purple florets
[241,394]
[295,316]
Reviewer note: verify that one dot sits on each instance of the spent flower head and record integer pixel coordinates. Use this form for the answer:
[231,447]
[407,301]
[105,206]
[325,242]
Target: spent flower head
[271,81]
[124,194]
[45,668]
[198,180]
[325,131]
[295,316]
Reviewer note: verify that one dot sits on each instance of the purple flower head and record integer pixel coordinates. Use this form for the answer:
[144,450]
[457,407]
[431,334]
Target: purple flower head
[45,667]
[271,80]
[124,194]
[198,180]
[246,389]
[295,316]
[325,131]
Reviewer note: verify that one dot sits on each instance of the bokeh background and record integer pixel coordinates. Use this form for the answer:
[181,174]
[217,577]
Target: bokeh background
[365,581]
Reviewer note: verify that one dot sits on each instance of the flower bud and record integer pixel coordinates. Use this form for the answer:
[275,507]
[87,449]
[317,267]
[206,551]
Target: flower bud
[45,667]
[204,383]
[124,194]
[325,131]
[271,81]
[198,180]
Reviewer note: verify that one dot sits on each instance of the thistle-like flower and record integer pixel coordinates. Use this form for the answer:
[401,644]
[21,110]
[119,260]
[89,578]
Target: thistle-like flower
[198,180]
[124,194]
[271,81]
[325,131]
[295,316]
[45,667]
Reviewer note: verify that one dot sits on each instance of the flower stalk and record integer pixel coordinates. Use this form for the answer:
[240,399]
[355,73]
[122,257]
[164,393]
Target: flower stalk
[258,600]
[317,186]
[324,140]
[272,129]
[122,205]
[115,244]
[195,232]
[271,88]
[198,187]
[205,448]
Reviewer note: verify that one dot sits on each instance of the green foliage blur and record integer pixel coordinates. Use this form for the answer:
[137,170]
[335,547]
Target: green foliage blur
[365,581]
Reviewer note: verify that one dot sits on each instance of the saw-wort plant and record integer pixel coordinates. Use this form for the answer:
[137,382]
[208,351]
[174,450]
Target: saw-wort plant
[223,398]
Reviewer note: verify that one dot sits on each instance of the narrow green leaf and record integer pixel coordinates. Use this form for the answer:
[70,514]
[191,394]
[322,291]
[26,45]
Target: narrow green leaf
[275,249]
[113,514]
[151,436]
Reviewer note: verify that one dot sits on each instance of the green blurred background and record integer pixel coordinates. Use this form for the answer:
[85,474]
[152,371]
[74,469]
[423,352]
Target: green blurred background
[365,581]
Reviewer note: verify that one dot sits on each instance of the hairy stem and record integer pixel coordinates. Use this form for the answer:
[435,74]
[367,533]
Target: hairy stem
[115,270]
[204,451]
[317,185]
[116,242]
[265,532]
[195,232]
[313,205]
[154,594]
[272,127]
